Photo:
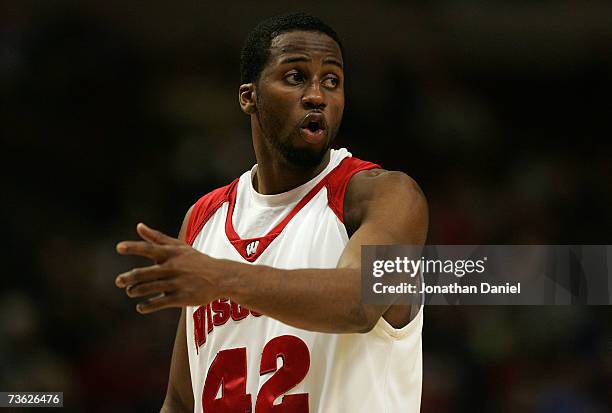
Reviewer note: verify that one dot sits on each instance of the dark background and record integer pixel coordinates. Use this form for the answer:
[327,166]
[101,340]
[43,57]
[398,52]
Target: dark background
[118,112]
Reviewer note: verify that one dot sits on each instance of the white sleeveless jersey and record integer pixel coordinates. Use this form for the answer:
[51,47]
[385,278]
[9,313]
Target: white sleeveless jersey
[241,361]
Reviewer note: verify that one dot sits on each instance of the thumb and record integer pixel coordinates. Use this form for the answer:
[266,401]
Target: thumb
[154,236]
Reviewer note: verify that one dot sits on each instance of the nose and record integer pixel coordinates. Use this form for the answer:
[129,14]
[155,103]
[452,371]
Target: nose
[314,97]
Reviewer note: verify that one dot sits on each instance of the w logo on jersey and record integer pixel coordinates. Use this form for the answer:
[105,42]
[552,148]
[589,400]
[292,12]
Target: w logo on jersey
[252,248]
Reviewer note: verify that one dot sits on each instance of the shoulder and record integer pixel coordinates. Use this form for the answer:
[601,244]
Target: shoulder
[377,182]
[204,208]
[214,197]
[382,194]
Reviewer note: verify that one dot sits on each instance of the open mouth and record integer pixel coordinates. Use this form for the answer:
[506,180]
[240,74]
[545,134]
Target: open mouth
[313,127]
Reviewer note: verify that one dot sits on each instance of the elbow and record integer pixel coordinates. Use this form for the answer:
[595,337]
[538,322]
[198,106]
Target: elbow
[363,319]
[368,325]
[366,328]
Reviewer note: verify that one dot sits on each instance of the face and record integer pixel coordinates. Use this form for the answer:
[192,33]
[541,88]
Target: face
[300,96]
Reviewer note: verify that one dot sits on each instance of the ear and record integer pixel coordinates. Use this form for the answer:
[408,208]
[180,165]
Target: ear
[247,97]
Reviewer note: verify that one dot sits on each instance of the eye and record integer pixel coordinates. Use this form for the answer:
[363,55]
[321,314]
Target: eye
[294,78]
[331,82]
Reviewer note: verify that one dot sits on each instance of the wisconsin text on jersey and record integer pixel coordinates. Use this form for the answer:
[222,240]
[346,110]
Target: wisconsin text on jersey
[204,321]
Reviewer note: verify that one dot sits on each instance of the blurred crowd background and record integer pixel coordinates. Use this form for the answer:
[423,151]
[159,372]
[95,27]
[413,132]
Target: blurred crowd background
[117,112]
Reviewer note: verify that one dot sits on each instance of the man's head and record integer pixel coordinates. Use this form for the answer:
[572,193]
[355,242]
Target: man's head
[293,86]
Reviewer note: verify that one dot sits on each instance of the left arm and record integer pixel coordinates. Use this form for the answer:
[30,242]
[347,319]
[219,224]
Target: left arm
[387,208]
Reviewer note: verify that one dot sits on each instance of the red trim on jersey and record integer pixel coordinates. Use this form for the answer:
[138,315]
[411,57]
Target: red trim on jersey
[259,244]
[204,208]
[336,182]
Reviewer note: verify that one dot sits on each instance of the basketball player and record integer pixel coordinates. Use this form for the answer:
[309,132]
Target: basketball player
[267,269]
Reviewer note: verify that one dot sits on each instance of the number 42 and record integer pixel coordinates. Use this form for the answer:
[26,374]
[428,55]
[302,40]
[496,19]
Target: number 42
[229,371]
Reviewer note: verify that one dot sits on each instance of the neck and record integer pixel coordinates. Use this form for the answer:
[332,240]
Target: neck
[275,175]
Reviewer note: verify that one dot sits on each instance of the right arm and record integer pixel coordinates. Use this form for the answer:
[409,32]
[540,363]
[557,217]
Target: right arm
[179,395]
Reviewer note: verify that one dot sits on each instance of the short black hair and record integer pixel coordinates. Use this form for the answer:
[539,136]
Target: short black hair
[256,49]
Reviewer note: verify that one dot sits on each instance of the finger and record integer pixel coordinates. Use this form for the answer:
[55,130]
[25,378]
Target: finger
[144,249]
[149,288]
[155,236]
[158,302]
[141,275]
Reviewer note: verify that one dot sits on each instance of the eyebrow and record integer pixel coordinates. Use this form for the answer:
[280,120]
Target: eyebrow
[328,60]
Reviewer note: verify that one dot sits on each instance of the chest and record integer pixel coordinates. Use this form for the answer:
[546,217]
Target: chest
[312,237]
